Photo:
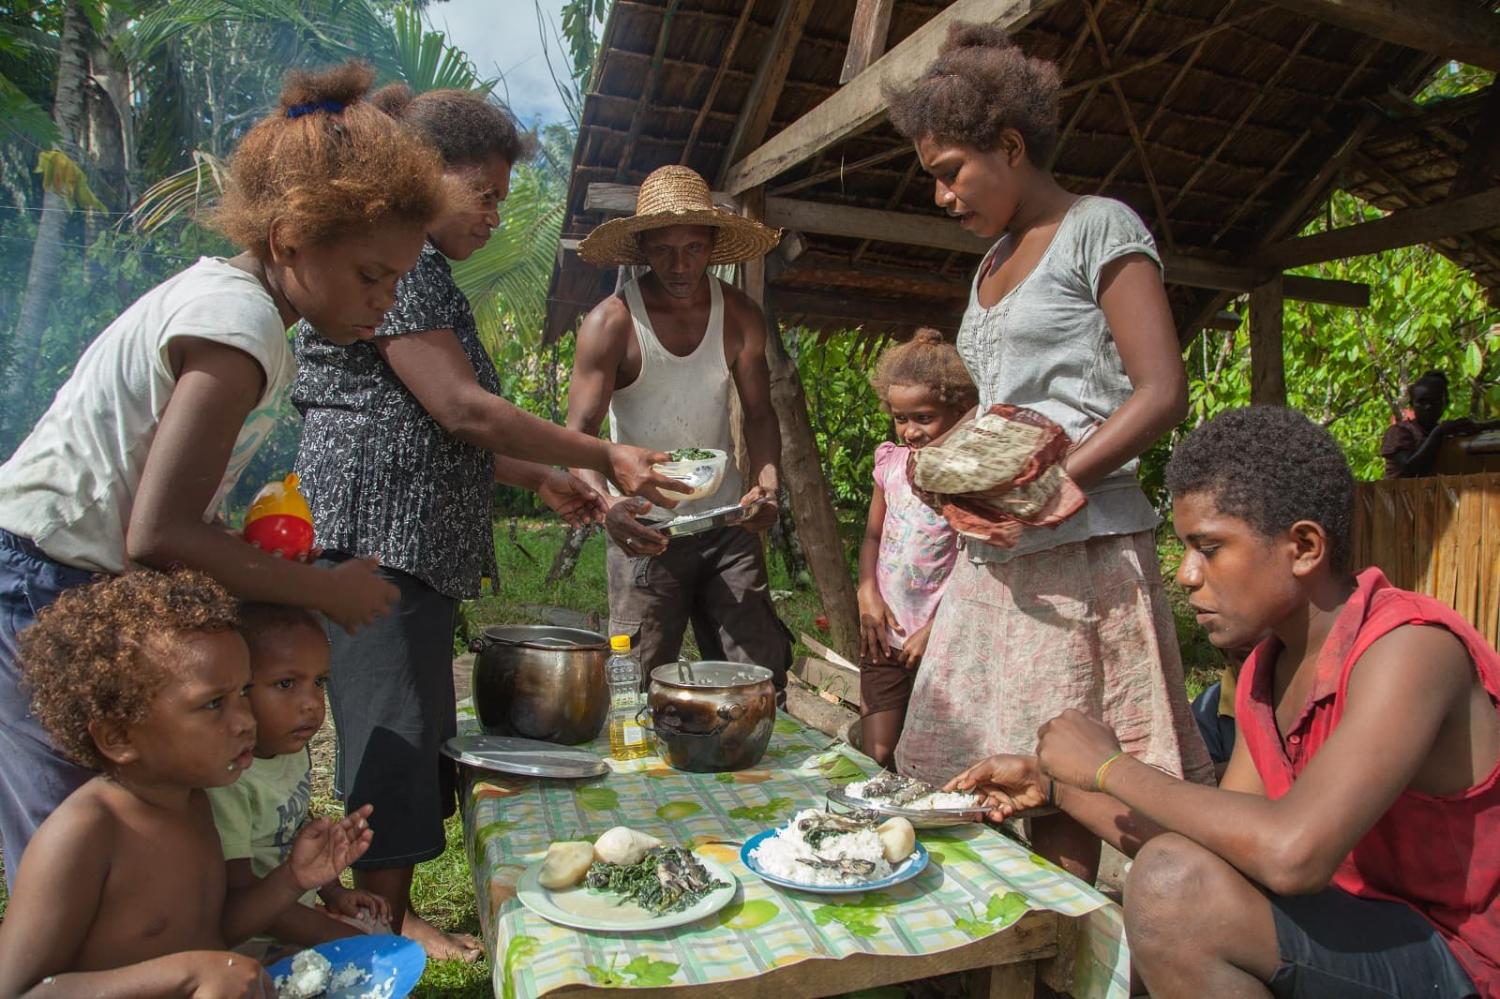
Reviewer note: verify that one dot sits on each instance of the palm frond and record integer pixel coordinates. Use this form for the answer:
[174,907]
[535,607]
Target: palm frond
[426,60]
[182,195]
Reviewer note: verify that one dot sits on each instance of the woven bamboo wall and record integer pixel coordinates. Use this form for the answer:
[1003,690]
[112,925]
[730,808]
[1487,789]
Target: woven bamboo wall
[1439,536]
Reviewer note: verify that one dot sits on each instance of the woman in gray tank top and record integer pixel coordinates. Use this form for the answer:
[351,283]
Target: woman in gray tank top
[1067,316]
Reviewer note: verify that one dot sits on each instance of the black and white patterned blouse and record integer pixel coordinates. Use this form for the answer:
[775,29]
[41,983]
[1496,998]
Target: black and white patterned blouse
[381,476]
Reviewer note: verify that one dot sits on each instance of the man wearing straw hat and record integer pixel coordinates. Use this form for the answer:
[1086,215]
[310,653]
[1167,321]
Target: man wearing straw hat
[661,358]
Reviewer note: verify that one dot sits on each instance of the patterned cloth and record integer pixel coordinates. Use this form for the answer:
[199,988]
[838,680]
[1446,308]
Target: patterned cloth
[917,547]
[1084,625]
[1435,853]
[381,476]
[998,474]
[979,883]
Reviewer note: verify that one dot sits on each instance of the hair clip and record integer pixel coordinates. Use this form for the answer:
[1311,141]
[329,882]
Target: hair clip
[298,110]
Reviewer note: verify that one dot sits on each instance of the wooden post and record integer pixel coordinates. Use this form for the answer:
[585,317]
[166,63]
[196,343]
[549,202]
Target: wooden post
[872,20]
[802,467]
[1267,356]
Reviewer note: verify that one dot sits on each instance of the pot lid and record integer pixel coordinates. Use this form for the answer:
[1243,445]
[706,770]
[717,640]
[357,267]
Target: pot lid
[528,757]
[544,636]
[710,674]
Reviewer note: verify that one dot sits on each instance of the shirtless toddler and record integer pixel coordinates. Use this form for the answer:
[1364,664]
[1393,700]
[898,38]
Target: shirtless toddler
[122,890]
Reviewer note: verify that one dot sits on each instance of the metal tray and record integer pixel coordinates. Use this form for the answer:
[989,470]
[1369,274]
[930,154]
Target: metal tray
[705,520]
[528,757]
[929,818]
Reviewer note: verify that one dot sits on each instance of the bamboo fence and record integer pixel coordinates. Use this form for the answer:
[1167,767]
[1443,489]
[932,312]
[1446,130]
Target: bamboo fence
[1439,536]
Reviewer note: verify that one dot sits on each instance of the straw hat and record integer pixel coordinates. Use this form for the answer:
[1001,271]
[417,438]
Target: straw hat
[677,195]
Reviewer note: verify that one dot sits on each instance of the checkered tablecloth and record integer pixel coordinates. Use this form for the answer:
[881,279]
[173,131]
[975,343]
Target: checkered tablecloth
[979,881]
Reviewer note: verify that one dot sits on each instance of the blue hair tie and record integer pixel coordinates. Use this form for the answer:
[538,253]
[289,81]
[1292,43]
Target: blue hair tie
[298,110]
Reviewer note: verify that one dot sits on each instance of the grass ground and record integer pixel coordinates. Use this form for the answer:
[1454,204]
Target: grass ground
[443,889]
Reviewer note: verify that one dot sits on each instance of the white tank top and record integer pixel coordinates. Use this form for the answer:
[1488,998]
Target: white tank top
[678,402]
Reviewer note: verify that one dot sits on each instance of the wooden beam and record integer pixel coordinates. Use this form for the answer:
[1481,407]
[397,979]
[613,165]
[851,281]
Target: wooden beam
[648,91]
[1267,352]
[1453,29]
[940,233]
[872,21]
[1446,219]
[765,89]
[718,80]
[842,170]
[1481,160]
[858,104]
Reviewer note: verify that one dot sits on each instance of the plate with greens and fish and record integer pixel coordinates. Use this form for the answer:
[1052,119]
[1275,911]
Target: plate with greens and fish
[925,806]
[624,882]
[836,853]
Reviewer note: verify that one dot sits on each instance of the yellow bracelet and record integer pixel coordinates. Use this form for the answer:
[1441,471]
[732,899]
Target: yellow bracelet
[1099,774]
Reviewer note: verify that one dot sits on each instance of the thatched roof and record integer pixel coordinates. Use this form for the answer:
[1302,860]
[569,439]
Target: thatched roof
[1222,122]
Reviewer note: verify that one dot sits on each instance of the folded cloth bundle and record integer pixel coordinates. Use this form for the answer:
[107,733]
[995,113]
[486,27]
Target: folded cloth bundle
[996,474]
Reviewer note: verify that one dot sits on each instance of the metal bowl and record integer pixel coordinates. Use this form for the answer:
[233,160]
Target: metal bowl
[541,682]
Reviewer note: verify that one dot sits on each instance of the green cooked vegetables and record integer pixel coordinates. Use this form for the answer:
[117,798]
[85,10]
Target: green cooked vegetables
[691,454]
[666,879]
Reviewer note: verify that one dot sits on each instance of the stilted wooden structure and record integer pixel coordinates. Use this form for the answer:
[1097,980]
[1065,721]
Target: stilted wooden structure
[1225,123]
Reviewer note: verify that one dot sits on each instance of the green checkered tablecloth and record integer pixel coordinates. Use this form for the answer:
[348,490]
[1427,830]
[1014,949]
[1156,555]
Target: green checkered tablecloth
[979,882]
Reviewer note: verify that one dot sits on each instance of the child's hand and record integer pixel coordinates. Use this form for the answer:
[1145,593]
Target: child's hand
[1008,784]
[876,621]
[221,974]
[910,655]
[356,903]
[323,848]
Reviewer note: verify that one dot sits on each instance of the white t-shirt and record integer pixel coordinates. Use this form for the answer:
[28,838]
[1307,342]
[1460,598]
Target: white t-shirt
[70,485]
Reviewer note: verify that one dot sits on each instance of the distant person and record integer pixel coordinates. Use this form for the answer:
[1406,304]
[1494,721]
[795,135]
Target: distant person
[909,548]
[664,359]
[1410,447]
[329,200]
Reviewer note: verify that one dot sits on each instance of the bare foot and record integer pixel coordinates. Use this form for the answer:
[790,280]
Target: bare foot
[440,946]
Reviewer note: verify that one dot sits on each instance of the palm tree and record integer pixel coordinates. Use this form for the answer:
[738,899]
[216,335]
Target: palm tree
[46,255]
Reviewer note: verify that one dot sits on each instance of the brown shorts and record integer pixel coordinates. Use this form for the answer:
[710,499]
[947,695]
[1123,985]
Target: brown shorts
[716,581]
[884,686]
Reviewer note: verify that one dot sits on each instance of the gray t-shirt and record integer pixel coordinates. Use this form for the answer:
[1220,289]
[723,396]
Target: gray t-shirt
[1048,347]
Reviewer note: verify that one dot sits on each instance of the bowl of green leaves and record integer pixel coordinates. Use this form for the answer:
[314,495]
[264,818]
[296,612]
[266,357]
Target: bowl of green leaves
[700,469]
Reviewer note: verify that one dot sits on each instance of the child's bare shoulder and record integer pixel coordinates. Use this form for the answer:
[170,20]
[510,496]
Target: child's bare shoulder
[81,834]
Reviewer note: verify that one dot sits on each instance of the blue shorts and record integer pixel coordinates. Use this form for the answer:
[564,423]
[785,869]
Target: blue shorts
[34,777]
[1334,945]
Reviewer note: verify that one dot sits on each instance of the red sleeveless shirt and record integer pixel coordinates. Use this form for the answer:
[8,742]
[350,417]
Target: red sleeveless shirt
[1427,851]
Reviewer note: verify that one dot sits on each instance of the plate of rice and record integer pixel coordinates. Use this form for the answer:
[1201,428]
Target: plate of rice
[832,854]
[378,966]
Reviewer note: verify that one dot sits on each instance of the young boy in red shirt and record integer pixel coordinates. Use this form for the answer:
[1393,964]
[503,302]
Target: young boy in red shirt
[1344,853]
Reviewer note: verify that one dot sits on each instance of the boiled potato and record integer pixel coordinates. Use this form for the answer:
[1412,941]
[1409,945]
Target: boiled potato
[566,863]
[621,845]
[897,838]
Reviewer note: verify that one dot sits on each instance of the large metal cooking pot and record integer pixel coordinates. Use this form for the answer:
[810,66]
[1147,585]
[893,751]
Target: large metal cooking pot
[541,682]
[710,717]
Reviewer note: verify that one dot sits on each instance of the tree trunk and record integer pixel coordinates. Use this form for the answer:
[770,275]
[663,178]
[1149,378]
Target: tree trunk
[567,556]
[817,524]
[18,403]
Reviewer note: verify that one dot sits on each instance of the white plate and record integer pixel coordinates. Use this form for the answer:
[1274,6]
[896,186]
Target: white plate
[604,912]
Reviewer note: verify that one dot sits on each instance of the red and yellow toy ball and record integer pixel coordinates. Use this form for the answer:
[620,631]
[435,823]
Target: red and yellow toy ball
[279,520]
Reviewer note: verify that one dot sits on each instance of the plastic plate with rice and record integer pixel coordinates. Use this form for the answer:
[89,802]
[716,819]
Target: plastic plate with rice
[925,806]
[819,852]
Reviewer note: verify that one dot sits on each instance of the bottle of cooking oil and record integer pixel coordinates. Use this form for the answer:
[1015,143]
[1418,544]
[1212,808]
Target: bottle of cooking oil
[627,740]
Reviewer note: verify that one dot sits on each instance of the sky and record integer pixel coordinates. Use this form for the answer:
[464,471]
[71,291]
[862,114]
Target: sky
[502,38]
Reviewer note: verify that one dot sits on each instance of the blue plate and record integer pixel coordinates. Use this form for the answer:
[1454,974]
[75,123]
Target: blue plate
[384,957]
[905,871]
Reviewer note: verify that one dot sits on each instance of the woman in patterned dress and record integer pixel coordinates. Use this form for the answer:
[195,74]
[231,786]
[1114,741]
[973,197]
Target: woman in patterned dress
[403,441]
[1068,317]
